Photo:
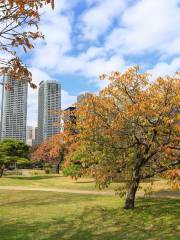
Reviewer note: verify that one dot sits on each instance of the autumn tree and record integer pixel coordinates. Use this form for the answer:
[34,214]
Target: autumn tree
[19,27]
[129,131]
[51,151]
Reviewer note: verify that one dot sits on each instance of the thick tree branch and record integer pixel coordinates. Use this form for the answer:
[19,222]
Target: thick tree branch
[161,170]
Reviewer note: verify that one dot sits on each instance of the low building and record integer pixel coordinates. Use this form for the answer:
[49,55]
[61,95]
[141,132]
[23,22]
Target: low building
[31,135]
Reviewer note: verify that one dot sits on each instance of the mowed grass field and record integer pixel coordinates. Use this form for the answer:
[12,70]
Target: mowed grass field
[38,215]
[41,180]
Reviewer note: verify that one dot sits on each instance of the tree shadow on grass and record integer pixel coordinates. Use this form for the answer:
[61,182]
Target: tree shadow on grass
[152,219]
[147,221]
[157,207]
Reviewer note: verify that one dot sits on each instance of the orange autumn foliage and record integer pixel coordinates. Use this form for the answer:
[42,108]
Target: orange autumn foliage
[130,131]
[19,20]
[51,151]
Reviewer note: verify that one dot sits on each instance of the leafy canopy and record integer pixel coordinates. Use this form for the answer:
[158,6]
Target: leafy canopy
[12,151]
[19,27]
[129,131]
[51,151]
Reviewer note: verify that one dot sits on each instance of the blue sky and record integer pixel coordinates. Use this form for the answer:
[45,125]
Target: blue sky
[84,38]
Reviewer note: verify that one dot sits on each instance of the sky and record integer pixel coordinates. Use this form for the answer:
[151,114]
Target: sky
[85,38]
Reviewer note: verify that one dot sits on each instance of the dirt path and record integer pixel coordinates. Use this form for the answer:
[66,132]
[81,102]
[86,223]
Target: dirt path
[168,194]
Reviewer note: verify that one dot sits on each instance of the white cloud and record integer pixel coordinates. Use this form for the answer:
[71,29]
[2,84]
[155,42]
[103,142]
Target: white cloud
[100,65]
[54,55]
[60,7]
[89,66]
[147,26]
[144,27]
[46,56]
[172,48]
[163,68]
[67,99]
[97,20]
[57,30]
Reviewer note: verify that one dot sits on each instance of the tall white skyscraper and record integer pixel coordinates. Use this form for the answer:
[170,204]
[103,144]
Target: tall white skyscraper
[49,102]
[14,109]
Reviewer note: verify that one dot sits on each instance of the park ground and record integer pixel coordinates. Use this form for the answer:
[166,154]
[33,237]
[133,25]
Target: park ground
[85,215]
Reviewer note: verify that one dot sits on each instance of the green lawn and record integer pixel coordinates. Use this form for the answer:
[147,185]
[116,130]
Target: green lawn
[58,216]
[57,181]
[51,181]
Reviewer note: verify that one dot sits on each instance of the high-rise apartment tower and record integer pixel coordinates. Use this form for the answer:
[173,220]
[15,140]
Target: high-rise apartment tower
[49,103]
[14,109]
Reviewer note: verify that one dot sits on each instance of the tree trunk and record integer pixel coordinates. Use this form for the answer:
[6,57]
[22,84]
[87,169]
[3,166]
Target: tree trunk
[1,171]
[130,199]
[58,168]
[60,160]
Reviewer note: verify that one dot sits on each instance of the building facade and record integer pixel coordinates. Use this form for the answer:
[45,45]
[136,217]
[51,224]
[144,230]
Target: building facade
[14,109]
[49,103]
[31,136]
